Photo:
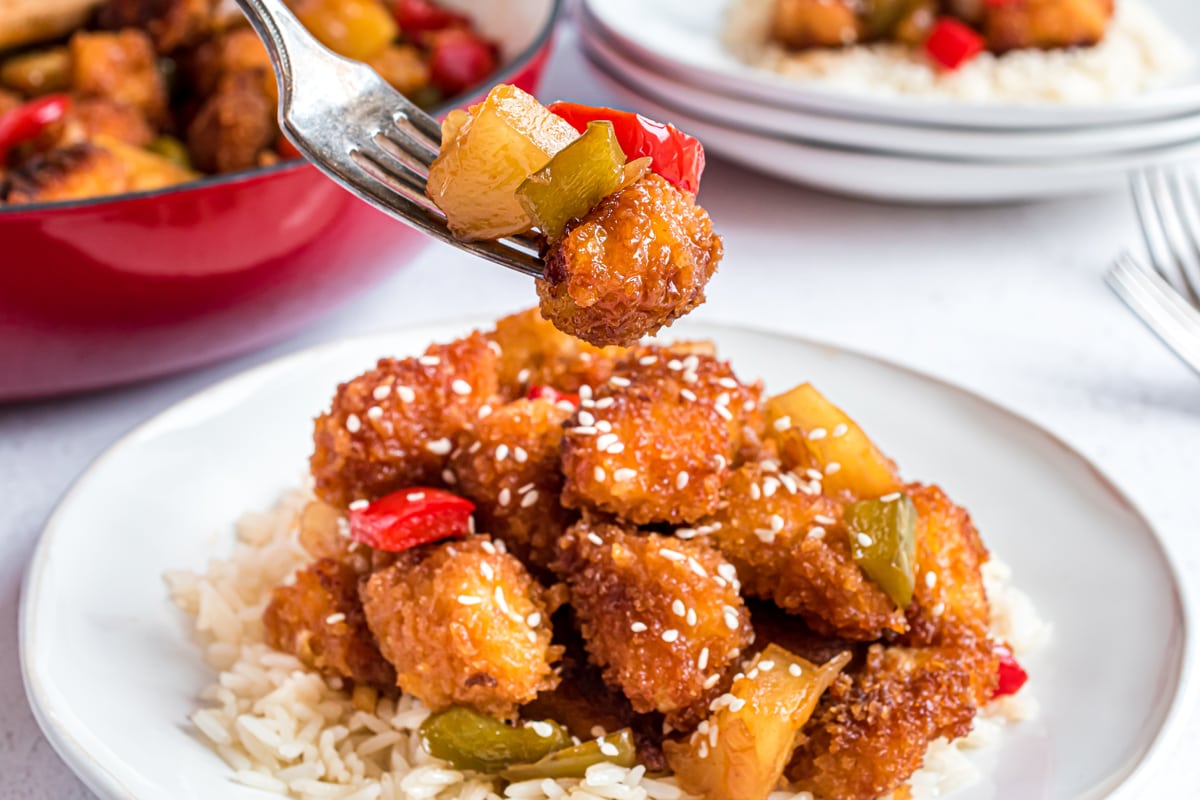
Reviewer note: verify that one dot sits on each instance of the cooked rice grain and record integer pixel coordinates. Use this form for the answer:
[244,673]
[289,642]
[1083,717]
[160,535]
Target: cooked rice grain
[285,729]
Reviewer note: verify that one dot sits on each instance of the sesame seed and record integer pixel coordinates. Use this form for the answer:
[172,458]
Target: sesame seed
[816,434]
[494,346]
[484,412]
[727,571]
[939,609]
[769,465]
[696,567]
[752,674]
[439,447]
[489,548]
[501,546]
[721,462]
[429,361]
[931,579]
[469,600]
[840,429]
[406,394]
[604,426]
[813,474]
[584,430]
[681,480]
[523,376]
[565,405]
[755,491]
[670,635]
[487,571]
[731,619]
[832,467]
[615,449]
[460,387]
[542,729]
[794,670]
[728,383]
[776,523]
[624,474]
[604,441]
[736,704]
[500,599]
[520,454]
[359,505]
[723,399]
[769,486]
[691,361]
[816,532]
[501,452]
[529,499]
[702,661]
[474,448]
[678,607]
[353,424]
[888,498]
[374,412]
[674,365]
[864,540]
[765,535]
[598,474]
[595,539]
[605,402]
[504,497]
[672,555]
[687,394]
[782,424]
[534,619]
[646,361]
[789,482]
[617,380]
[526,488]
[691,617]
[609,749]
[686,533]
[723,412]
[711,681]
[766,666]
[334,619]
[586,418]
[824,519]
[690,377]
[413,497]
[381,391]
[638,627]
[471,524]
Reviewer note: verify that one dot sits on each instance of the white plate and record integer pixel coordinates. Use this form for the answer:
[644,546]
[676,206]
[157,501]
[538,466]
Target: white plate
[682,38]
[111,673]
[941,143]
[899,178]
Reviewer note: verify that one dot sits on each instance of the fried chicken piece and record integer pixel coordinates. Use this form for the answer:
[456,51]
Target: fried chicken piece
[802,24]
[227,53]
[636,262]
[171,23]
[1046,24]
[91,117]
[423,403]
[656,443]
[789,546]
[507,463]
[235,124]
[120,66]
[319,619]
[463,623]
[402,66]
[8,101]
[70,173]
[535,353]
[874,725]
[661,616]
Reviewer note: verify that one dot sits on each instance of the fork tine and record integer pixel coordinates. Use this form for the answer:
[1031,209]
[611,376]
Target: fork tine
[1146,201]
[1139,288]
[1170,300]
[1187,201]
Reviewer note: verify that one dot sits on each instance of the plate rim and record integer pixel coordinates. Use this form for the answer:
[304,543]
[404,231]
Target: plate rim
[106,783]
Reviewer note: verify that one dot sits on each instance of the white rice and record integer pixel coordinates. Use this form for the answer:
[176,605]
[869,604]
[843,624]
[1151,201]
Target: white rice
[1139,53]
[283,728]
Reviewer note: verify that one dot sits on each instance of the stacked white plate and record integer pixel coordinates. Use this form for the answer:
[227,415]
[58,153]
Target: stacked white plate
[667,59]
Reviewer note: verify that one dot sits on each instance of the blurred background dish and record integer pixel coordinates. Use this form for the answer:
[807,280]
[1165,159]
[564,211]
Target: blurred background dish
[107,290]
[675,61]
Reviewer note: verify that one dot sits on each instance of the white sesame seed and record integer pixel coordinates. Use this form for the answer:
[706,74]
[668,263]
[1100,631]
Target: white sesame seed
[727,571]
[646,361]
[689,377]
[672,555]
[429,361]
[674,365]
[565,405]
[484,412]
[586,418]
[638,627]
[471,524]
[931,579]
[752,674]
[504,497]
[334,619]
[782,424]
[474,448]
[939,609]
[594,538]
[670,635]
[794,670]
[439,447]
[413,497]
[816,434]
[864,540]
[494,346]
[487,571]
[604,441]
[721,462]
[469,600]
[824,519]
[816,532]
[604,426]
[489,548]
[690,618]
[765,535]
[711,681]
[520,454]
[813,474]
[723,412]
[678,607]
[776,523]
[526,488]
[608,748]
[501,452]
[584,430]
[381,391]
[406,394]
[766,666]
[840,429]
[888,498]
[723,399]
[501,546]
[500,599]
[598,474]
[755,491]
[615,449]
[686,533]
[789,482]
[702,661]
[731,619]
[605,402]
[688,394]
[681,480]
[460,387]
[523,376]
[359,505]
[769,486]
[529,499]
[736,704]
[691,361]
[542,729]
[617,380]
[728,383]
[769,465]
[534,619]
[353,424]
[374,412]
[696,567]
[624,474]
[832,467]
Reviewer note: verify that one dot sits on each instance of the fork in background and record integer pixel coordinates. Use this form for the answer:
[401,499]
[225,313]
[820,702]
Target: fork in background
[358,130]
[1166,298]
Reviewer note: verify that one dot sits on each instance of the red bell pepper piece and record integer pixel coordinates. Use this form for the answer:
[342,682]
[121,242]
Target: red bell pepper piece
[25,122]
[539,392]
[675,156]
[952,43]
[416,17]
[459,59]
[1012,676]
[411,517]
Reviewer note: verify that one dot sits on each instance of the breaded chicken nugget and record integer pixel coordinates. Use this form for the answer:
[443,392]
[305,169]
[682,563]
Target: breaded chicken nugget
[67,173]
[662,616]
[636,262]
[394,426]
[463,623]
[873,727]
[535,353]
[92,117]
[319,619]
[655,442]
[789,546]
[120,66]
[172,23]
[508,464]
[1046,24]
[234,124]
[801,24]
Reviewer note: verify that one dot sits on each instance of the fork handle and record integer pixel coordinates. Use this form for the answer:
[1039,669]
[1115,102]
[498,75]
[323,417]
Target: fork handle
[289,44]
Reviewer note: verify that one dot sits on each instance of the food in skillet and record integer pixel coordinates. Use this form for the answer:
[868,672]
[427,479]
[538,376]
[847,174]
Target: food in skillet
[611,193]
[533,568]
[148,95]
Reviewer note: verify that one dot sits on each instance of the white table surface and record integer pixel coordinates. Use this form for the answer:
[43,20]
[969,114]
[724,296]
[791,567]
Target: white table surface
[1005,301]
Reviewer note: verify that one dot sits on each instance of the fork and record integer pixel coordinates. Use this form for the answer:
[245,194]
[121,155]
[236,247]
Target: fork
[362,133]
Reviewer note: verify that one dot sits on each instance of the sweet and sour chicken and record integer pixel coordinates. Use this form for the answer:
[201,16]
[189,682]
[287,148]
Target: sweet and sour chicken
[522,530]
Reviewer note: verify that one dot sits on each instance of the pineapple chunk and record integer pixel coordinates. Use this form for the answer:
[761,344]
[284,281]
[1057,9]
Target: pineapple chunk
[358,29]
[741,750]
[486,154]
[816,432]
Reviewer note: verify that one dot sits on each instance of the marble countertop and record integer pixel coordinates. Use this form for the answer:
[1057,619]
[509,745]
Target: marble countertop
[1006,301]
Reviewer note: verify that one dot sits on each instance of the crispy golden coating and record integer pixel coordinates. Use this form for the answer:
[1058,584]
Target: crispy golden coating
[319,619]
[874,725]
[662,616]
[507,463]
[69,173]
[422,403]
[802,24]
[1046,24]
[636,262]
[535,353]
[171,23]
[655,442]
[227,53]
[402,66]
[92,117]
[788,544]
[120,66]
[235,124]
[463,623]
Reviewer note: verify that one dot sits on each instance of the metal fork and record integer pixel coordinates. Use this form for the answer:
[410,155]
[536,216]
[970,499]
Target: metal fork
[364,134]
[1166,297]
